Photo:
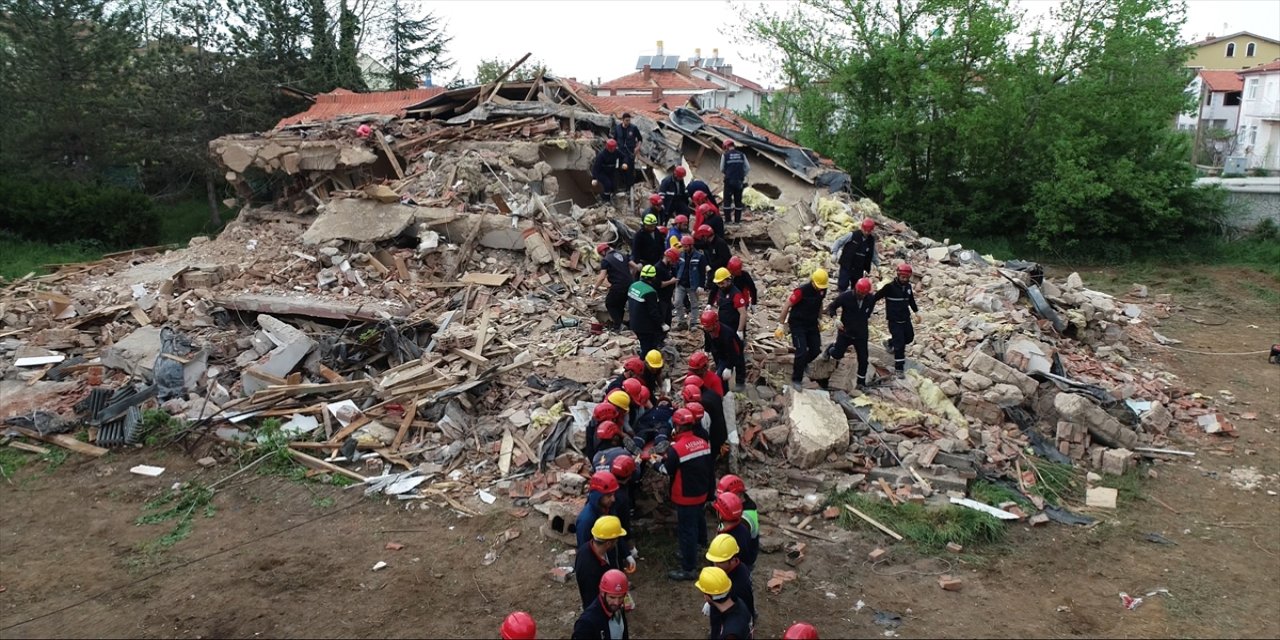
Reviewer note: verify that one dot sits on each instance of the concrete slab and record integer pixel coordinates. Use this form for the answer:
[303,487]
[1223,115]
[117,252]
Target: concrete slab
[358,220]
[818,428]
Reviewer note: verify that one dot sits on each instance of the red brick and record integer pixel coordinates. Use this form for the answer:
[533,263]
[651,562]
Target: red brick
[831,513]
[954,548]
[876,554]
[394,546]
[949,583]
[561,574]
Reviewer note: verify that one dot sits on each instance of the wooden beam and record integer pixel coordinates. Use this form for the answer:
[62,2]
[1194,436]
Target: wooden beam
[395,163]
[873,522]
[317,463]
[65,441]
[410,412]
[30,448]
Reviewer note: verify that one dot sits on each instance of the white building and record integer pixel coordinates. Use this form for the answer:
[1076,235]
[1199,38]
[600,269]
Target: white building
[736,93]
[710,80]
[1258,135]
[1218,95]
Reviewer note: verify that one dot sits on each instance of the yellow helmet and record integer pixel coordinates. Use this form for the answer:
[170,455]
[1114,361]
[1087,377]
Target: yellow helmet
[620,399]
[654,359]
[674,243]
[722,274]
[714,582]
[819,278]
[723,548]
[607,528]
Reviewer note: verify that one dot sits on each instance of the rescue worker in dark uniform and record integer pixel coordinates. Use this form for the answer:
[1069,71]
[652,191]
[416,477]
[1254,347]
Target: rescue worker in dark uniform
[675,195]
[900,301]
[629,139]
[854,309]
[729,615]
[743,281]
[714,248]
[667,281]
[729,507]
[801,314]
[734,167]
[606,617]
[710,216]
[726,347]
[724,553]
[729,301]
[645,310]
[656,209]
[597,555]
[690,464]
[856,253]
[697,186]
[632,367]
[648,244]
[608,171]
[616,269]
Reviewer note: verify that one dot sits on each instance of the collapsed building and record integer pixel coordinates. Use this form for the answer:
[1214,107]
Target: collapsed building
[402,298]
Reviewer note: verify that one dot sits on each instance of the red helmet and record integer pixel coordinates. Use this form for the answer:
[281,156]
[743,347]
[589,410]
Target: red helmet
[633,364]
[671,254]
[686,241]
[698,361]
[655,199]
[691,393]
[709,319]
[519,626]
[633,387]
[614,583]
[682,417]
[682,219]
[602,248]
[904,269]
[728,144]
[703,232]
[611,145]
[699,197]
[800,631]
[696,409]
[662,230]
[730,484]
[607,431]
[693,380]
[644,396]
[604,412]
[680,172]
[735,266]
[605,483]
[622,467]
[862,286]
[704,208]
[729,507]
[868,225]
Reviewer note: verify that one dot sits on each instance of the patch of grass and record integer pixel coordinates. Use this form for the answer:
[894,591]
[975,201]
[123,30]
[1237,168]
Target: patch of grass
[1269,296]
[54,459]
[182,220]
[321,502]
[158,427]
[20,257]
[1129,486]
[178,506]
[930,528]
[1056,482]
[11,460]
[994,494]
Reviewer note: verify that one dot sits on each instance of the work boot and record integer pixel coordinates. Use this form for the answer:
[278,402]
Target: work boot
[901,374]
[681,575]
[797,385]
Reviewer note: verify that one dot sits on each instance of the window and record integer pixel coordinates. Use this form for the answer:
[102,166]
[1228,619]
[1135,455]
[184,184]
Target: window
[1231,99]
[1251,89]
[1250,49]
[1208,99]
[1231,49]
[1253,135]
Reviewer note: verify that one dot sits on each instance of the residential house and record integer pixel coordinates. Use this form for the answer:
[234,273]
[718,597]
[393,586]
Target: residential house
[664,78]
[1217,101]
[1236,51]
[736,93]
[1258,135]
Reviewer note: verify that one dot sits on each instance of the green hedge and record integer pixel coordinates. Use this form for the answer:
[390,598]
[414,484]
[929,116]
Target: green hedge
[65,211]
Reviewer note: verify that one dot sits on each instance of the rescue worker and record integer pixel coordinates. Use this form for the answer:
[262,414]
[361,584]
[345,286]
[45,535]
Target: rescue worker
[900,301]
[656,208]
[692,396]
[675,196]
[709,215]
[623,468]
[716,250]
[616,269]
[518,625]
[856,253]
[631,368]
[726,347]
[654,366]
[700,365]
[691,271]
[743,280]
[606,617]
[697,186]
[648,244]
[854,309]
[730,483]
[596,556]
[629,139]
[609,440]
[729,301]
[679,229]
[718,427]
[645,310]
[734,167]
[729,616]
[603,412]
[800,631]
[609,170]
[667,280]
[725,554]
[801,314]
[689,463]
[729,507]
[600,498]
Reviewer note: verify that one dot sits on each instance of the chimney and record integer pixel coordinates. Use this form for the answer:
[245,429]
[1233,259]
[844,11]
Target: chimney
[646,72]
[715,53]
[657,94]
[697,56]
[659,47]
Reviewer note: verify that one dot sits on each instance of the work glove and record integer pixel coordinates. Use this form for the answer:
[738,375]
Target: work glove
[625,167]
[741,337]
[630,564]
[780,332]
[595,183]
[666,327]
[706,609]
[840,326]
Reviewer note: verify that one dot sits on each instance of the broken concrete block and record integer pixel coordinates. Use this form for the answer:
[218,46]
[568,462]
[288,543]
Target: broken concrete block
[975,408]
[358,220]
[876,554]
[292,346]
[1027,355]
[1101,497]
[1104,428]
[767,500]
[1156,419]
[997,371]
[954,548]
[818,428]
[975,381]
[1116,461]
[778,435]
[1039,519]
[1004,395]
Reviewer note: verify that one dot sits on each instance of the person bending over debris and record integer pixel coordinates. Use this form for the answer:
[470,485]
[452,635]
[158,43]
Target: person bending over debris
[654,367]
[599,554]
[518,625]
[606,617]
[718,427]
[710,216]
[689,463]
[855,253]
[854,308]
[725,346]
[900,301]
[725,554]
[700,365]
[729,615]
[743,281]
[600,490]
[604,413]
[648,244]
[609,170]
[656,209]
[632,367]
[734,167]
[675,196]
[697,186]
[616,269]
[800,314]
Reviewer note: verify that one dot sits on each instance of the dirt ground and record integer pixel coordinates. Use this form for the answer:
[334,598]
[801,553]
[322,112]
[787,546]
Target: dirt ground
[287,559]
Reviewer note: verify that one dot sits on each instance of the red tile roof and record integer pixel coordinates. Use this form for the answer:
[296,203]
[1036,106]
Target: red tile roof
[1274,65]
[640,105]
[737,79]
[341,102]
[1222,80]
[667,80]
[727,119]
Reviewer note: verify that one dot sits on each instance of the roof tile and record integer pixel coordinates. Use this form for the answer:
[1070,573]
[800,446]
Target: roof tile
[1222,80]
[342,102]
[667,80]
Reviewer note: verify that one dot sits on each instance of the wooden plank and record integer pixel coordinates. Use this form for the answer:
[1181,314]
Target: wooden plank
[888,492]
[873,522]
[486,279]
[294,390]
[482,338]
[924,483]
[31,448]
[395,163]
[410,412]
[317,463]
[37,377]
[350,428]
[472,357]
[402,268]
[330,374]
[65,441]
[504,455]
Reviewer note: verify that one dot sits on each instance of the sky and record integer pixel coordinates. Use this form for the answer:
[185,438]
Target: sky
[601,40]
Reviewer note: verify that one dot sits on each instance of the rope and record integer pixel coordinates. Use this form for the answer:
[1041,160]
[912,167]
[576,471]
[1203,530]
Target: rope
[950,566]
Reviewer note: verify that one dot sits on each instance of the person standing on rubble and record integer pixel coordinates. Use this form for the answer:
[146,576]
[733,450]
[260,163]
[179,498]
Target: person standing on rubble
[731,303]
[648,243]
[691,270]
[800,314]
[700,365]
[667,281]
[725,554]
[598,555]
[646,310]
[616,269]
[855,253]
[900,302]
[734,167]
[854,308]
[710,216]
[608,171]
[606,617]
[629,139]
[675,196]
[729,615]
[689,464]
[743,281]
[725,346]
[716,250]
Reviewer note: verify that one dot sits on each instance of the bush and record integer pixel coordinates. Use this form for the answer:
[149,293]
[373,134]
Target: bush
[66,211]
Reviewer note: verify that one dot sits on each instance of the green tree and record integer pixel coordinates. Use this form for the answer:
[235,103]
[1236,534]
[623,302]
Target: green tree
[323,59]
[347,72]
[416,46]
[490,68]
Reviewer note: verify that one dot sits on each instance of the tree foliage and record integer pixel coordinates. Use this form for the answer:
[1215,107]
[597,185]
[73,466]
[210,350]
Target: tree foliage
[490,68]
[959,118]
[416,46]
